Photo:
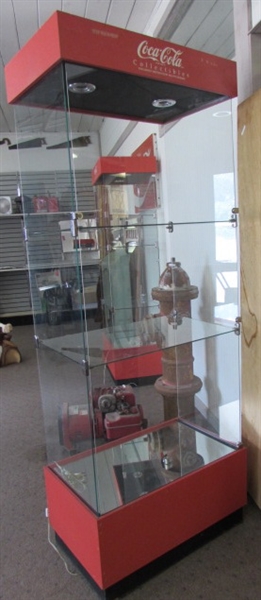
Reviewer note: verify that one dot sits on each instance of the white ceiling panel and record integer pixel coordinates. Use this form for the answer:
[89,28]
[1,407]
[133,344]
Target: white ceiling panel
[208,26]
[227,50]
[76,7]
[210,23]
[119,12]
[195,15]
[98,10]
[6,112]
[142,12]
[216,42]
[9,34]
[26,19]
[46,8]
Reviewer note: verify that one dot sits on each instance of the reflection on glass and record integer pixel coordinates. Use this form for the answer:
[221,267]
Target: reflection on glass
[132,469]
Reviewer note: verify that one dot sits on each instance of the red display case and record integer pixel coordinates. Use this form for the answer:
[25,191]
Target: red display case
[119,505]
[123,169]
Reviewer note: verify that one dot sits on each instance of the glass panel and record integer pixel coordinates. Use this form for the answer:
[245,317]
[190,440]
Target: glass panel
[202,380]
[62,253]
[200,282]
[190,301]
[144,388]
[125,275]
[199,164]
[132,468]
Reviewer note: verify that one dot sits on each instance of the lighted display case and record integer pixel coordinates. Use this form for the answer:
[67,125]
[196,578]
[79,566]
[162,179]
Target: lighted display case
[141,398]
[127,196]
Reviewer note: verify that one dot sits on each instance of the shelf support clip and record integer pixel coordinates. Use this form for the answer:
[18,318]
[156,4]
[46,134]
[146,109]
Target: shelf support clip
[238,322]
[234,216]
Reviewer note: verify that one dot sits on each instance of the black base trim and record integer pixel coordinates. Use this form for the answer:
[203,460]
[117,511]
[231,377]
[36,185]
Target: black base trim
[159,565]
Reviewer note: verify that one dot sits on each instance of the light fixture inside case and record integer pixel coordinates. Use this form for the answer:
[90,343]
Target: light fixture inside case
[163,103]
[81,87]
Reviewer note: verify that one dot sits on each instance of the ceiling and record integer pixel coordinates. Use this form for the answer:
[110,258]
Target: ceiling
[205,25]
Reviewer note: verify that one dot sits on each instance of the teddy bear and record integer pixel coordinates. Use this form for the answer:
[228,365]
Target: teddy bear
[9,352]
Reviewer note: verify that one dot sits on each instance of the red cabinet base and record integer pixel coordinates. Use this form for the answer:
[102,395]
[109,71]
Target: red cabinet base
[115,545]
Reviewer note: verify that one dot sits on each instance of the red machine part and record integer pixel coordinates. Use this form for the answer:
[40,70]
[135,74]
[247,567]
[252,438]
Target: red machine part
[115,414]
[119,424]
[120,394]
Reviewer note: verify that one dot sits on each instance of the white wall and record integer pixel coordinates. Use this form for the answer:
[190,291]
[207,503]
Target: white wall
[191,153]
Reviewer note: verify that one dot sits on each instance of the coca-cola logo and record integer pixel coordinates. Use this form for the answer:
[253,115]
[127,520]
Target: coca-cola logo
[164,56]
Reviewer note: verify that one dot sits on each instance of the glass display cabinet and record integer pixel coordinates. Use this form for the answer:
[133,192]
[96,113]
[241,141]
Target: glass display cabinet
[129,254]
[141,398]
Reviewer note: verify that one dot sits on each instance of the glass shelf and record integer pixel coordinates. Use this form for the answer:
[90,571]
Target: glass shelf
[156,332]
[139,466]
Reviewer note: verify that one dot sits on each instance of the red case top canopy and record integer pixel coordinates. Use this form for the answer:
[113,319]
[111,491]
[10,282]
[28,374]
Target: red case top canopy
[132,76]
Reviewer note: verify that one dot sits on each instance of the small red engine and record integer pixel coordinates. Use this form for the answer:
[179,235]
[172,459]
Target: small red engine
[115,415]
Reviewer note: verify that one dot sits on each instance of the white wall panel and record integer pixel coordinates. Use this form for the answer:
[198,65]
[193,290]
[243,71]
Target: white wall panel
[255,12]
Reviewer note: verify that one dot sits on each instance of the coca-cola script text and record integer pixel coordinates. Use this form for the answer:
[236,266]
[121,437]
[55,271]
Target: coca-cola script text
[164,56]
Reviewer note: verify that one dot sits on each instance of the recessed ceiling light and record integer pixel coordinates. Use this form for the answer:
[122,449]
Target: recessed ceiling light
[163,103]
[222,113]
[81,87]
